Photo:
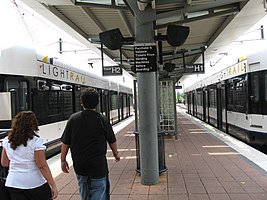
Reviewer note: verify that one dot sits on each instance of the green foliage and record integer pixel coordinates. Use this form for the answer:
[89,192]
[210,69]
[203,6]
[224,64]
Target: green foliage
[179,97]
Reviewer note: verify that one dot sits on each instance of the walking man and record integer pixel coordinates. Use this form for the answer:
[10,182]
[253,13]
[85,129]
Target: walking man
[86,135]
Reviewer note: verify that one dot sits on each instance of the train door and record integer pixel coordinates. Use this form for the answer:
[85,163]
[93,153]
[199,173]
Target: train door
[105,103]
[120,107]
[99,106]
[221,107]
[193,104]
[124,106]
[265,94]
[199,103]
[19,95]
[213,105]
[256,100]
[224,107]
[190,103]
[76,96]
[206,105]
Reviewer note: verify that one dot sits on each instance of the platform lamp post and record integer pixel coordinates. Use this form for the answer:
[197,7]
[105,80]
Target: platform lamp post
[60,45]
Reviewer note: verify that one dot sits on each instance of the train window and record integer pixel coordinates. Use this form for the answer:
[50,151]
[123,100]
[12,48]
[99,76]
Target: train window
[230,98]
[98,107]
[265,87]
[53,104]
[66,87]
[212,99]
[104,102]
[124,104]
[236,94]
[240,96]
[199,98]
[55,87]
[77,99]
[131,104]
[114,114]
[41,85]
[67,108]
[255,88]
[19,95]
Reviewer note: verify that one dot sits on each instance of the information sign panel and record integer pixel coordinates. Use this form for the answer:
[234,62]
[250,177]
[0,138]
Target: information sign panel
[145,58]
[194,68]
[112,70]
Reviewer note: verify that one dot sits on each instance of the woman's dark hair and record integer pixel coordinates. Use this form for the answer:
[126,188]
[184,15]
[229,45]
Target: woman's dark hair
[89,98]
[24,126]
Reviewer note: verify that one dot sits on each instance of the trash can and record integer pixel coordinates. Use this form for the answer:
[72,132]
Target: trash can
[161,152]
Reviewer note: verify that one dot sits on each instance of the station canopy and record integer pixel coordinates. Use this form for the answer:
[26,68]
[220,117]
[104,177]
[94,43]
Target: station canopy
[213,25]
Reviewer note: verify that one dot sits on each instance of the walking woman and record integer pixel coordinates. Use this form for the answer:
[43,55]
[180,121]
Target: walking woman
[29,176]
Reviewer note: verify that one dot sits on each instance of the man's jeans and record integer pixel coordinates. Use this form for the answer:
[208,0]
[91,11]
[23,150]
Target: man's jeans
[93,189]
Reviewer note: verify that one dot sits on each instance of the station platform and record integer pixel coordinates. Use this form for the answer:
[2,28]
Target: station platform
[203,164]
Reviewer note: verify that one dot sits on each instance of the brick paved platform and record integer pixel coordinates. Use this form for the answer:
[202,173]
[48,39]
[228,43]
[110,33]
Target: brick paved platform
[200,167]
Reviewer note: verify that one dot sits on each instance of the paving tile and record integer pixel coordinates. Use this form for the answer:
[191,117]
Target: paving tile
[200,167]
[139,189]
[177,189]
[219,197]
[158,190]
[138,197]
[178,197]
[64,196]
[258,196]
[158,197]
[198,196]
[118,197]
[239,197]
[215,190]
[253,189]
[75,197]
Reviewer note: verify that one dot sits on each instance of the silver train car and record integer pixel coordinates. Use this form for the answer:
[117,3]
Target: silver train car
[234,100]
[51,88]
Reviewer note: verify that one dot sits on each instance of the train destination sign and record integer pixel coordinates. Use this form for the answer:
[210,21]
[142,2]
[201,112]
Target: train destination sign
[145,58]
[112,70]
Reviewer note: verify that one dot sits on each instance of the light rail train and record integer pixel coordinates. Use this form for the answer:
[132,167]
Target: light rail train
[234,100]
[52,88]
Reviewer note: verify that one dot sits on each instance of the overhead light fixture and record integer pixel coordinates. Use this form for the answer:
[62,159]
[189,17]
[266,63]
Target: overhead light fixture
[142,4]
[176,35]
[169,67]
[112,39]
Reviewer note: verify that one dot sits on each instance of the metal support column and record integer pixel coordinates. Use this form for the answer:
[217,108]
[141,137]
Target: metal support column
[148,132]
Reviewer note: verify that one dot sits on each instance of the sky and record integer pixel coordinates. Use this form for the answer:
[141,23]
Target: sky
[24,26]
[20,25]
[246,44]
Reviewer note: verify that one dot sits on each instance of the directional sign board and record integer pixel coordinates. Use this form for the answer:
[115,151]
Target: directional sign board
[194,69]
[112,70]
[145,58]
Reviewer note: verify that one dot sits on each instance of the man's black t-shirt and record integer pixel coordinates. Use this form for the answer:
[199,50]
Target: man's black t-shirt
[87,133]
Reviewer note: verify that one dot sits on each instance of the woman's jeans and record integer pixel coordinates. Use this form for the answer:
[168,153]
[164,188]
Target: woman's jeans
[93,189]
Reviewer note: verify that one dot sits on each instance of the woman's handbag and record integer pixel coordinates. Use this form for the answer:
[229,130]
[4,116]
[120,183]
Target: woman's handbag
[4,194]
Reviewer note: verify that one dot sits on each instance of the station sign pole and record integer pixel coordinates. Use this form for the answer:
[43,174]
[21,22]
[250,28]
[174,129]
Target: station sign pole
[146,67]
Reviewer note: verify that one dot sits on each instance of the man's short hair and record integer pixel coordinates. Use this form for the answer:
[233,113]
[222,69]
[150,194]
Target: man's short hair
[90,98]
